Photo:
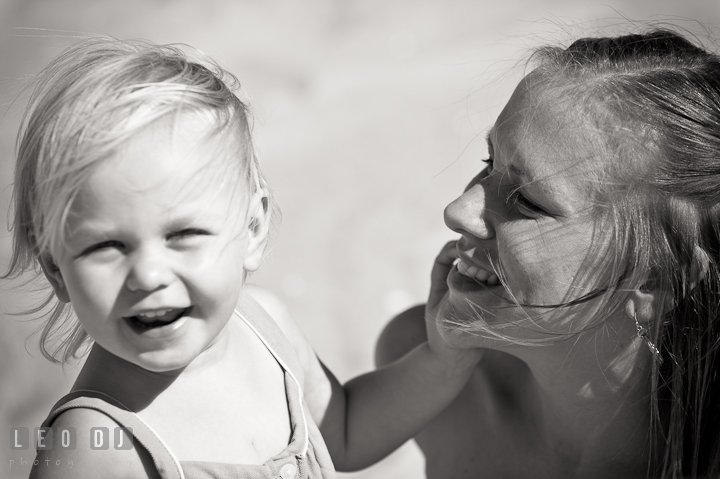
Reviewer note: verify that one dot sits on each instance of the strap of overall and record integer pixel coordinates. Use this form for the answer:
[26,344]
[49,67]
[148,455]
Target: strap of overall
[167,465]
[277,343]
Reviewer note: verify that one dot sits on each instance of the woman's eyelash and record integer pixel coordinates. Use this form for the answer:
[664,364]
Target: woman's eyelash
[516,196]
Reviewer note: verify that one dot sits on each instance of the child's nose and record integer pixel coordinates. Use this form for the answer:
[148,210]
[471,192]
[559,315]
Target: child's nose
[149,271]
[470,214]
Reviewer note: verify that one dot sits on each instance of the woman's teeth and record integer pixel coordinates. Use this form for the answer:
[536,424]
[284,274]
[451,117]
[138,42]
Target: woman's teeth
[478,274]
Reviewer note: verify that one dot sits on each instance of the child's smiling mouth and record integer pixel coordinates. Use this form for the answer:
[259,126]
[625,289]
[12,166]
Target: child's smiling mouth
[157,318]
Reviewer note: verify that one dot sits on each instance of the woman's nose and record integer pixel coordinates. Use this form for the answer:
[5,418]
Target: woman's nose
[149,271]
[469,214]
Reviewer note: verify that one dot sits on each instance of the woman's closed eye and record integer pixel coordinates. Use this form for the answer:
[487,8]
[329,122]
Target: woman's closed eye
[525,206]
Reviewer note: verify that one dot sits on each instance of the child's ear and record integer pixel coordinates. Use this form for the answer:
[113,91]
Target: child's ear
[258,228]
[54,276]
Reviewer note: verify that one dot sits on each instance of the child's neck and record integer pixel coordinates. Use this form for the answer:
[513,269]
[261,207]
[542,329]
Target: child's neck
[124,381]
[132,385]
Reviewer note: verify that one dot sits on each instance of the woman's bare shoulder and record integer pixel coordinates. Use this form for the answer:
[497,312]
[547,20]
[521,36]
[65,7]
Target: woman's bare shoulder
[401,335]
[85,459]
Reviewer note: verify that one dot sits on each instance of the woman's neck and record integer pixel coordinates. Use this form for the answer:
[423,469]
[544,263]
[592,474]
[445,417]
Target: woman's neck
[593,396]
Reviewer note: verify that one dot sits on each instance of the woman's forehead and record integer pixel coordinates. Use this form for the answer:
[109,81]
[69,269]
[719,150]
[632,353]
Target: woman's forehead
[547,131]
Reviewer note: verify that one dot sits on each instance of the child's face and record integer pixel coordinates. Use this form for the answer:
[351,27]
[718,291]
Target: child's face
[156,248]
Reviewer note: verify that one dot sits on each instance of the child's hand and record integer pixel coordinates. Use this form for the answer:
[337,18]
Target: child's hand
[373,414]
[437,306]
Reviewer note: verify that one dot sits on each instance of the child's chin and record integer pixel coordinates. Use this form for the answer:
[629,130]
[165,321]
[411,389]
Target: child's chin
[163,364]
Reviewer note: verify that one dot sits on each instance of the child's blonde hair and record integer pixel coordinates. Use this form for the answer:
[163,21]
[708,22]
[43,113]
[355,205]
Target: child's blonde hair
[86,104]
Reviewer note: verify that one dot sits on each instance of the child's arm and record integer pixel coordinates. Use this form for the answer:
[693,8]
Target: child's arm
[373,414]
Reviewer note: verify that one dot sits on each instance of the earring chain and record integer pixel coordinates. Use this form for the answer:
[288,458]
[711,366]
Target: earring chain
[643,333]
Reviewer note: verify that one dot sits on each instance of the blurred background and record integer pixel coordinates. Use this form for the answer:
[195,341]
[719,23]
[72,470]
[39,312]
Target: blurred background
[369,117]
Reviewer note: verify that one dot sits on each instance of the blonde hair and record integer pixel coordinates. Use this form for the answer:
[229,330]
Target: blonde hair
[86,104]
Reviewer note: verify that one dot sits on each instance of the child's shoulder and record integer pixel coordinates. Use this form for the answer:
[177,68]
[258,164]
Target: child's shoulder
[280,315]
[314,376]
[86,459]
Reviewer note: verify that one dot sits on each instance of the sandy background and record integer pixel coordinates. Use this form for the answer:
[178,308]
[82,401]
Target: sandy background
[369,119]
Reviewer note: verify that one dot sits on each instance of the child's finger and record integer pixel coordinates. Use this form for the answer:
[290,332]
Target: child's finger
[444,262]
[441,268]
[447,254]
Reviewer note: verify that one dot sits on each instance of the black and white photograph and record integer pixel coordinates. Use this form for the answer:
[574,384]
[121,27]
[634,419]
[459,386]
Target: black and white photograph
[367,240]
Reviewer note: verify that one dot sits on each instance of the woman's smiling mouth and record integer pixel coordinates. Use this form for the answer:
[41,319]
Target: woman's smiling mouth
[469,268]
[476,273]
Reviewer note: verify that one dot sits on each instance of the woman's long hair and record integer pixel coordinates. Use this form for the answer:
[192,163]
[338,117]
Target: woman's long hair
[662,94]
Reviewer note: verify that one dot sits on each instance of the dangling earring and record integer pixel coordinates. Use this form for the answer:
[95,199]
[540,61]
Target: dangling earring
[643,333]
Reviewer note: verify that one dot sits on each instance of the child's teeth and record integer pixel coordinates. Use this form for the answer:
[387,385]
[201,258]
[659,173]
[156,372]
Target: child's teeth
[493,279]
[154,314]
[472,270]
[160,317]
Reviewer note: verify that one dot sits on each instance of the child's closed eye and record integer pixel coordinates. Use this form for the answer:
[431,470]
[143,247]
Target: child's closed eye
[102,246]
[187,234]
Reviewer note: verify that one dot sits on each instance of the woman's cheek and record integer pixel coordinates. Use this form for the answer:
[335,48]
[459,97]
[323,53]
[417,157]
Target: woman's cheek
[523,269]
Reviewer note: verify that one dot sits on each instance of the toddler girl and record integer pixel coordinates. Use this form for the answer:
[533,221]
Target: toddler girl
[138,193]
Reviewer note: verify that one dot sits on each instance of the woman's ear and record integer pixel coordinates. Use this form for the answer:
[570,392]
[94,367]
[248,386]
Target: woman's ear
[648,306]
[258,228]
[650,302]
[54,276]
[700,266]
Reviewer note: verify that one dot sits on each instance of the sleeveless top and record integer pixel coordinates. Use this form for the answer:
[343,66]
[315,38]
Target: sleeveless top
[305,457]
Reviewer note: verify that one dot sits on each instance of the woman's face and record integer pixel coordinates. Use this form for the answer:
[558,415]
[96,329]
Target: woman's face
[529,218]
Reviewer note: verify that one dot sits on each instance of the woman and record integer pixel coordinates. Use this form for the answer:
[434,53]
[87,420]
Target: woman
[588,269]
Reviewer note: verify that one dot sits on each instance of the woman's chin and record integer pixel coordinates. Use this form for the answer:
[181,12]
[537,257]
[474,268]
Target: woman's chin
[461,339]
[479,320]
[460,330]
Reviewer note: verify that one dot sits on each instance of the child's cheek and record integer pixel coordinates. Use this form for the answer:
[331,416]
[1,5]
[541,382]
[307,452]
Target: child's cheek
[93,283]
[217,269]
